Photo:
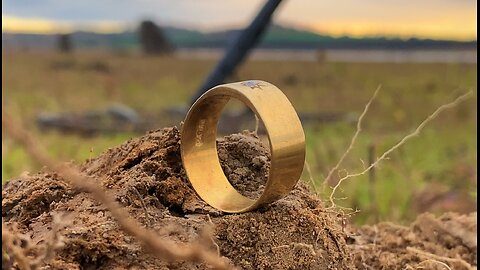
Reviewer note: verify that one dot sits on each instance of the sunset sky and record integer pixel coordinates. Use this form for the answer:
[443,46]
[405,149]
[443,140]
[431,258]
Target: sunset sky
[440,19]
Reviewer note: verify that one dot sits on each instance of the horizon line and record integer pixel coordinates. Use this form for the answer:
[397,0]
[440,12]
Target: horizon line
[127,30]
[17,25]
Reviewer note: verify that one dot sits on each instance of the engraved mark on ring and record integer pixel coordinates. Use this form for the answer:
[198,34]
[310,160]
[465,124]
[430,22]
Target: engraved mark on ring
[199,133]
[253,84]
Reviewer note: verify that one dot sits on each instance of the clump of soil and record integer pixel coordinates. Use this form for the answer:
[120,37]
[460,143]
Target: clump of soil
[146,176]
[247,169]
[425,244]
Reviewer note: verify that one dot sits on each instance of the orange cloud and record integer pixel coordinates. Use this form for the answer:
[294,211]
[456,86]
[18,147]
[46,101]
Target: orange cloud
[45,26]
[440,30]
[457,24]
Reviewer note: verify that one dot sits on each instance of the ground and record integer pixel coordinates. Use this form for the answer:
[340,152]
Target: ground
[435,171]
[58,227]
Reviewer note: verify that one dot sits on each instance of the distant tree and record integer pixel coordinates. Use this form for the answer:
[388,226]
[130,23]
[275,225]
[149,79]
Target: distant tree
[153,40]
[64,43]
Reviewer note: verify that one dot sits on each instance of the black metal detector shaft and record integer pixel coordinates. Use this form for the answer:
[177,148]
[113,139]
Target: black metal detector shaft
[239,49]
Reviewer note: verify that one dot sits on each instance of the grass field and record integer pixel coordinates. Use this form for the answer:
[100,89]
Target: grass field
[435,171]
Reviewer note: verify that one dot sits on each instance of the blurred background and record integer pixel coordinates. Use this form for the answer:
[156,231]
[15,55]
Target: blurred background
[87,75]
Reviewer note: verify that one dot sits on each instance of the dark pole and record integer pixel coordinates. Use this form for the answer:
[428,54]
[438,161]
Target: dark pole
[239,49]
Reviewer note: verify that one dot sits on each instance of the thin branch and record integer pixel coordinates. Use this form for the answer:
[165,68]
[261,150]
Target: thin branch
[162,248]
[307,166]
[401,142]
[145,211]
[435,261]
[354,138]
[52,244]
[295,245]
[13,251]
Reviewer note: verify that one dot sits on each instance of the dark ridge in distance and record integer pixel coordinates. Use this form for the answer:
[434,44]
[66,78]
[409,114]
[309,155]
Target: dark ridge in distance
[277,37]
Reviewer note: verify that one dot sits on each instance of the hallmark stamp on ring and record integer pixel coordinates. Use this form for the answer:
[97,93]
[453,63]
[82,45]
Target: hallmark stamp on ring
[199,133]
[253,84]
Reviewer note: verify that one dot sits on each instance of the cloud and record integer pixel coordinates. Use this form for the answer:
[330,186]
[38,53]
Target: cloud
[40,25]
[427,18]
[201,14]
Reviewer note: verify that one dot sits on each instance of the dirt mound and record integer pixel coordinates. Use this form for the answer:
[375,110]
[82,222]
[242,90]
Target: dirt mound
[146,176]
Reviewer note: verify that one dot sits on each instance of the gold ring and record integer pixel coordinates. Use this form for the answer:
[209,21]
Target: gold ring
[199,150]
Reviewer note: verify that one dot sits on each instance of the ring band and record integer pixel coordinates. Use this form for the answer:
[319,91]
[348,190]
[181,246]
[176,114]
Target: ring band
[199,150]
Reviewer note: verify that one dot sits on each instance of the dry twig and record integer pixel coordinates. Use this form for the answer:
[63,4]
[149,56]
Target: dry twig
[145,211]
[400,143]
[314,185]
[12,250]
[162,248]
[52,244]
[354,138]
[296,245]
[435,261]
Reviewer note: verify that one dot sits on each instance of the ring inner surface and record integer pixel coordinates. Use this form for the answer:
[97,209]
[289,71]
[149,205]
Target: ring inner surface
[201,158]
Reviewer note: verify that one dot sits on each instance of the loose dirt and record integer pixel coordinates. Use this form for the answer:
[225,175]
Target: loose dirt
[146,176]
[427,243]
